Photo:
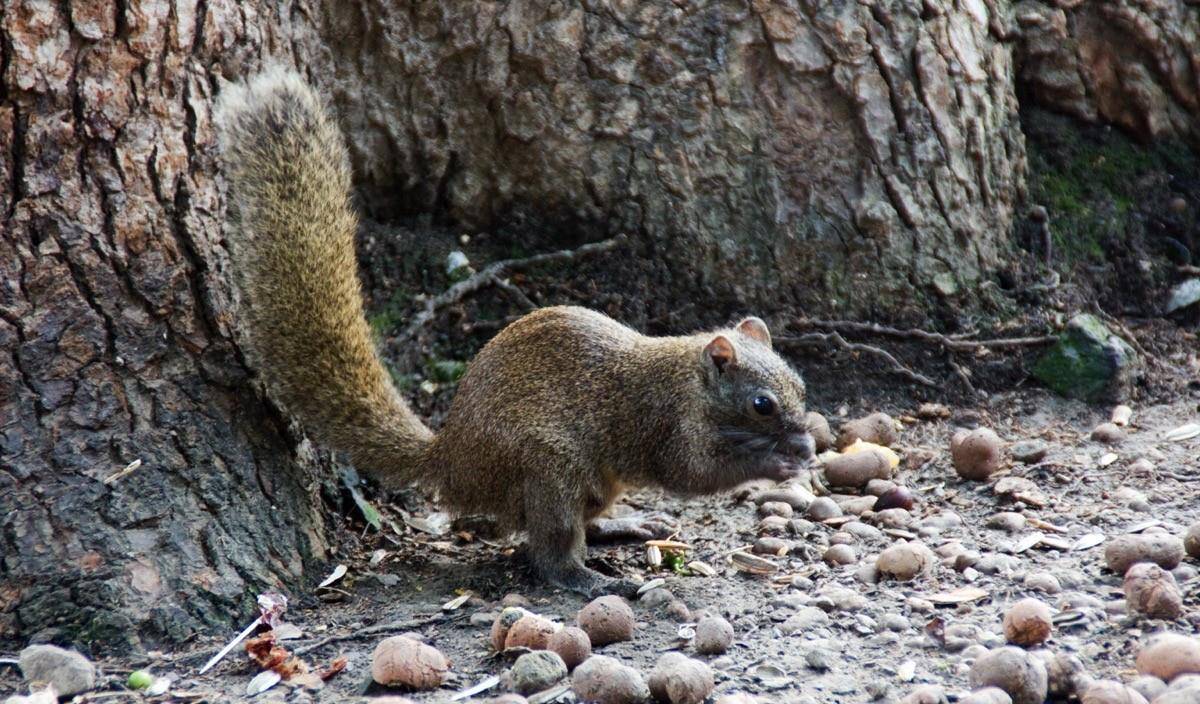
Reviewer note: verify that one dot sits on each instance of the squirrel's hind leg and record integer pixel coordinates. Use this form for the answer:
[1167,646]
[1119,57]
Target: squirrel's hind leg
[557,547]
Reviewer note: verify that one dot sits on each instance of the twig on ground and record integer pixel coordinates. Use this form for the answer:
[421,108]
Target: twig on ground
[514,293]
[962,374]
[1126,333]
[1188,269]
[820,339]
[1177,476]
[397,626]
[954,343]
[493,274]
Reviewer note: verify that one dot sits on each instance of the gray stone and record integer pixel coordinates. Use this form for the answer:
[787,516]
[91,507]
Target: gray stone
[67,670]
[1029,451]
[1088,362]
[803,620]
[1183,295]
[541,669]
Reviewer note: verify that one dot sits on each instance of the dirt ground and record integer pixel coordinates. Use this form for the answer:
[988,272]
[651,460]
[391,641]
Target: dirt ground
[847,641]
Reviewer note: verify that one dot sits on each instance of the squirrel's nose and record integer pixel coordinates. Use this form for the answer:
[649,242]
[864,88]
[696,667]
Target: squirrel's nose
[799,444]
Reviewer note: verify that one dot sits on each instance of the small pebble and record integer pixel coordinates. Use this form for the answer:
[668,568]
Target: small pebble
[604,680]
[824,508]
[893,518]
[879,487]
[863,531]
[768,545]
[1108,433]
[819,659]
[679,612]
[1029,451]
[775,508]
[1006,521]
[678,679]
[607,619]
[1149,687]
[774,525]
[840,554]
[714,635]
[804,620]
[572,645]
[904,561]
[538,670]
[69,672]
[1042,582]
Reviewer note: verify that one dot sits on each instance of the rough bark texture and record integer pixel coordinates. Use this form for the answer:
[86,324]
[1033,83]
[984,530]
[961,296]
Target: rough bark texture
[1132,63]
[769,153]
[115,341]
[772,153]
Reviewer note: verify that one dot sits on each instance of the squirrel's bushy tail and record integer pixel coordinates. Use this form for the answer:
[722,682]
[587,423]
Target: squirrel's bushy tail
[292,244]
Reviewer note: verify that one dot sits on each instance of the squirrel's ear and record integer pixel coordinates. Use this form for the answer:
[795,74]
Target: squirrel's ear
[755,329]
[720,352]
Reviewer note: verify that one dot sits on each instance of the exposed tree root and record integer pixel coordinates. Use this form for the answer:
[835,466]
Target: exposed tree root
[493,275]
[954,343]
[820,339]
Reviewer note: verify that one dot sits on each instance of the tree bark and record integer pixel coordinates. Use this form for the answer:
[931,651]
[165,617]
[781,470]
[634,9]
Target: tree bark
[765,156]
[1130,63]
[115,331]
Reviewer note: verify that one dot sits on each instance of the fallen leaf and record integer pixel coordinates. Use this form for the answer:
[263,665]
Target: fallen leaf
[1044,525]
[287,631]
[433,524]
[159,686]
[962,595]
[471,691]
[1183,432]
[369,513]
[337,573]
[668,545]
[456,603]
[1054,543]
[771,677]
[652,584]
[1139,527]
[1027,542]
[752,564]
[262,682]
[339,663]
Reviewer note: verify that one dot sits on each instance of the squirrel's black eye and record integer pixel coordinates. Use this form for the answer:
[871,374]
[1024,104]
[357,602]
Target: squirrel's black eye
[763,405]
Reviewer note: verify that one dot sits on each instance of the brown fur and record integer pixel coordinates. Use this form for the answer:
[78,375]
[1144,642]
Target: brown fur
[556,415]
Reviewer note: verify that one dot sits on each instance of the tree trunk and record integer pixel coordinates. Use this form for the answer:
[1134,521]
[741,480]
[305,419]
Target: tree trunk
[1131,63]
[764,156]
[115,327]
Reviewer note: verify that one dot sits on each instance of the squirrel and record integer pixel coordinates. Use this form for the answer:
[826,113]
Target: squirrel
[558,413]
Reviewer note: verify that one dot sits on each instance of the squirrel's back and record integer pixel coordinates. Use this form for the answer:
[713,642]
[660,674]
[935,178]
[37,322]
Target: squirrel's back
[292,245]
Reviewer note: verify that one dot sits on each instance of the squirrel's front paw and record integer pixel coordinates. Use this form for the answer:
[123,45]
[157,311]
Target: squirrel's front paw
[780,469]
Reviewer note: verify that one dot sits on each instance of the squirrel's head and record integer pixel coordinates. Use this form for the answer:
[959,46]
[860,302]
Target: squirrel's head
[758,401]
